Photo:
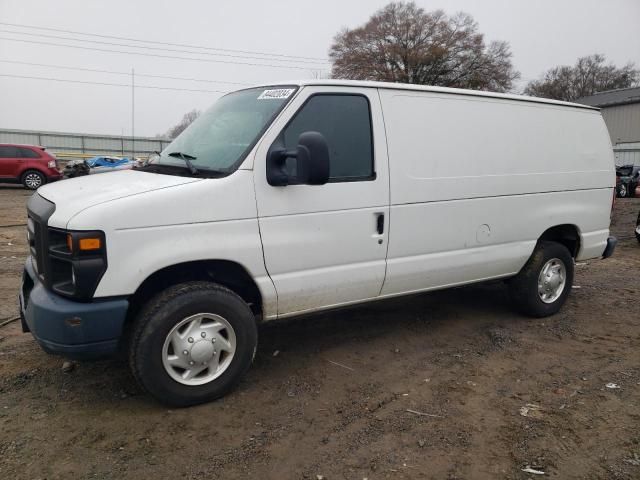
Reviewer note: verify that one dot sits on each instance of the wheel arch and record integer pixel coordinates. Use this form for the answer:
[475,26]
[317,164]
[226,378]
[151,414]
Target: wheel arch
[227,273]
[566,234]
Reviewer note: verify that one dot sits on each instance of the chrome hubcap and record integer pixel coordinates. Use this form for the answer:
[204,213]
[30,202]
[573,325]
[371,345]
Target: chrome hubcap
[552,280]
[32,180]
[199,349]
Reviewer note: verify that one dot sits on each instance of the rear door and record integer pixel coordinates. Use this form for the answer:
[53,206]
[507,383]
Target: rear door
[9,161]
[326,245]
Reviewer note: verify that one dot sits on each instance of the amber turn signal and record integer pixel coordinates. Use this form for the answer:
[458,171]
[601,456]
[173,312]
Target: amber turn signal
[89,244]
[70,242]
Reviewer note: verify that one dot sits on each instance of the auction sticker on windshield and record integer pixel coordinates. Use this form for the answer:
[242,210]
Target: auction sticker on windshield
[276,94]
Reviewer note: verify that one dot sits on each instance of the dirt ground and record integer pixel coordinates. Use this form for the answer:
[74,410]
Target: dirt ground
[345,395]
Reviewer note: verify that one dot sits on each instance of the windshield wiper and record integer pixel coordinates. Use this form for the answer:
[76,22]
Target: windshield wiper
[187,159]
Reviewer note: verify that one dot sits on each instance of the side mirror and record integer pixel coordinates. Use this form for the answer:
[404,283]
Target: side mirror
[312,162]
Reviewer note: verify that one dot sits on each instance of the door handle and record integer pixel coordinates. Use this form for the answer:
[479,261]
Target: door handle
[380,223]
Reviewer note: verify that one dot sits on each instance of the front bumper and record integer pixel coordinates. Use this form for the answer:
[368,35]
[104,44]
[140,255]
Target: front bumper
[611,246]
[66,327]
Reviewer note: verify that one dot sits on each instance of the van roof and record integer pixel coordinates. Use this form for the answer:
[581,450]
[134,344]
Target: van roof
[426,88]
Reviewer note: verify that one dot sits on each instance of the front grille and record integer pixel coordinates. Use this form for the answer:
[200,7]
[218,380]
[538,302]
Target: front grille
[35,229]
[61,271]
[39,211]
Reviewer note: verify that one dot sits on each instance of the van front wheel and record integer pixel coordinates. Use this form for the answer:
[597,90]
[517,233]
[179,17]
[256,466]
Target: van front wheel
[543,284]
[192,343]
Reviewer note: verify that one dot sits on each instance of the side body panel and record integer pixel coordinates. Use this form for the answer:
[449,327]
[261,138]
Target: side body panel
[476,181]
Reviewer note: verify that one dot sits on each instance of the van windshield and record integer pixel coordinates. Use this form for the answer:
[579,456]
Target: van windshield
[219,140]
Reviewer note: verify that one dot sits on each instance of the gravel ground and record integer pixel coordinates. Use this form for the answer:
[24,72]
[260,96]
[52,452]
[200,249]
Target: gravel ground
[430,386]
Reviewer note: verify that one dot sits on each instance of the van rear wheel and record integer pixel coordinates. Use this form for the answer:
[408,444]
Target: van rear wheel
[192,343]
[543,284]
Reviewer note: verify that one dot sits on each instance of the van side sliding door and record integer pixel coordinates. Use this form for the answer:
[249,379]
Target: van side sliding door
[326,245]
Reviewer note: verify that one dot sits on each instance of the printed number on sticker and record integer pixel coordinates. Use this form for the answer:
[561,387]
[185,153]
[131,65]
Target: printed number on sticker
[276,94]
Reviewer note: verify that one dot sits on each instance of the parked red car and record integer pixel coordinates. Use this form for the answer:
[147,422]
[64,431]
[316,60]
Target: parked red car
[27,164]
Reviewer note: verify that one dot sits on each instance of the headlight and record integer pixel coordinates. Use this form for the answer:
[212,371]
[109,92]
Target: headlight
[78,259]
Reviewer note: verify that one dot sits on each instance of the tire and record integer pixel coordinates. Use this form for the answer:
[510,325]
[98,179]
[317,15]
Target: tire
[637,231]
[524,290]
[153,348]
[32,179]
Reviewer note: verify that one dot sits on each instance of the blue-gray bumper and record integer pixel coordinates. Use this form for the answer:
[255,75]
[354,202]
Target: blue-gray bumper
[69,328]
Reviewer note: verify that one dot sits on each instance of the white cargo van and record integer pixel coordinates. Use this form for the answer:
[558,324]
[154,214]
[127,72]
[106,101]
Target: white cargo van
[288,199]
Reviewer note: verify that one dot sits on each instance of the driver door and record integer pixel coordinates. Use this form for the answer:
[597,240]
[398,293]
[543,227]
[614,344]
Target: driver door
[326,245]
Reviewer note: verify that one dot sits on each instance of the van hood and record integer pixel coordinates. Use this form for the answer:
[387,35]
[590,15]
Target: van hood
[76,194]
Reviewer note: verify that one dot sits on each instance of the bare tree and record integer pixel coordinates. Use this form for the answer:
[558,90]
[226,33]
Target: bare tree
[187,119]
[403,43]
[589,75]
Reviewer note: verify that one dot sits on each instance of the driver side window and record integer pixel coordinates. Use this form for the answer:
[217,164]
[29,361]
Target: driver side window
[345,123]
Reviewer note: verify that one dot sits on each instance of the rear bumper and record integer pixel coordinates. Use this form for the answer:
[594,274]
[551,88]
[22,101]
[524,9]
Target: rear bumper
[611,246]
[65,327]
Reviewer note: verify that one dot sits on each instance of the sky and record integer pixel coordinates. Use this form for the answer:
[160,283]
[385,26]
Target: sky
[542,34]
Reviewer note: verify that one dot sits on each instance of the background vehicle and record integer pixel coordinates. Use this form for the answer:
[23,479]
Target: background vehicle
[627,179]
[27,164]
[99,164]
[286,200]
